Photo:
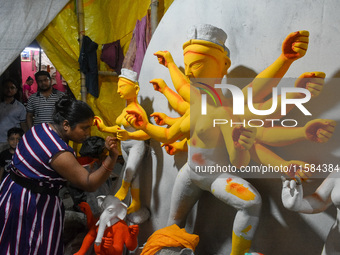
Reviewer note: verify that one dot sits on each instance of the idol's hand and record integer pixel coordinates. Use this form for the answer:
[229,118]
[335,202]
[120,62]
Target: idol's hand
[134,230]
[107,242]
[172,148]
[164,57]
[159,118]
[313,81]
[136,119]
[159,85]
[292,193]
[122,135]
[244,138]
[319,130]
[295,45]
[97,121]
[297,168]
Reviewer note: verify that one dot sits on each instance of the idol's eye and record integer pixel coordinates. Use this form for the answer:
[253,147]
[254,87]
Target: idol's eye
[196,65]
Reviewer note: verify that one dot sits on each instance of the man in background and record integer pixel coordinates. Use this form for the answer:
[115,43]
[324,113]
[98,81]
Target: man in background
[40,105]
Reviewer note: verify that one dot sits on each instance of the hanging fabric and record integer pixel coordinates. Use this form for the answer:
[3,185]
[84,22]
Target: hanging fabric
[112,54]
[140,40]
[88,65]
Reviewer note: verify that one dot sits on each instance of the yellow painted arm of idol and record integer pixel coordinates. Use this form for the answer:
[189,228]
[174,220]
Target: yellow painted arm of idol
[162,119]
[280,136]
[318,130]
[238,141]
[179,80]
[265,157]
[293,198]
[102,127]
[294,47]
[176,147]
[312,81]
[124,135]
[165,135]
[175,100]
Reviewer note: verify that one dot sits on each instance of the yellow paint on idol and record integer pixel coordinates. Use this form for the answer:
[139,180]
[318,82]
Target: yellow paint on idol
[201,61]
[246,230]
[239,190]
[240,245]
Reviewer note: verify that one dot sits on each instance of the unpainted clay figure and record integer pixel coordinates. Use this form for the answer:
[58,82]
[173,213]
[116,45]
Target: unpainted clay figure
[327,193]
[111,233]
[205,56]
[132,140]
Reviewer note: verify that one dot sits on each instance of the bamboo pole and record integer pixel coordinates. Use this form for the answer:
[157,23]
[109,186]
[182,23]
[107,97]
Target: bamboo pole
[81,33]
[154,15]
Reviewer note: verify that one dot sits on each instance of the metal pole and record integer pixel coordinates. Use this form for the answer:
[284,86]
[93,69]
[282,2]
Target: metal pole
[81,33]
[39,58]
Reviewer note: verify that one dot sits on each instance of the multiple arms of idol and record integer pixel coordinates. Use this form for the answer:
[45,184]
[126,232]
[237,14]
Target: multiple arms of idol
[293,48]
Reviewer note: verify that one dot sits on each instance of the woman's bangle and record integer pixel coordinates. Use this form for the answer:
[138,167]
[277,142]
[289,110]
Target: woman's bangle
[106,168]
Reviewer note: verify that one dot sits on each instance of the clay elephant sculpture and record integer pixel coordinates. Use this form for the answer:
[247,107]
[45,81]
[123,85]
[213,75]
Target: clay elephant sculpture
[111,232]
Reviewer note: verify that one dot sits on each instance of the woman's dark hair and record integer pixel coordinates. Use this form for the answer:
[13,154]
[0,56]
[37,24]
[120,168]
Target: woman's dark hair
[74,111]
[29,78]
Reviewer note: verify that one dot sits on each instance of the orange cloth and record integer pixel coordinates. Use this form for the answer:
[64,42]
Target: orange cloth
[171,236]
